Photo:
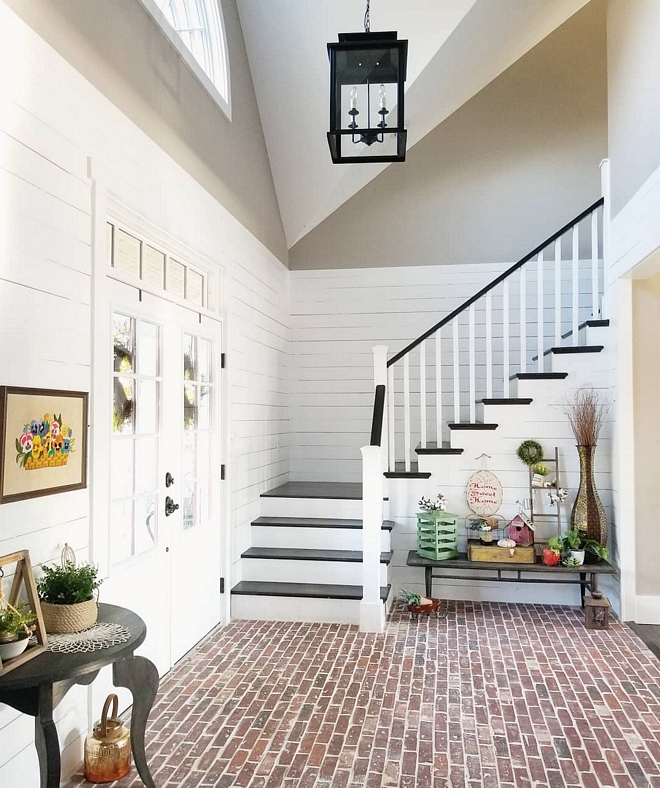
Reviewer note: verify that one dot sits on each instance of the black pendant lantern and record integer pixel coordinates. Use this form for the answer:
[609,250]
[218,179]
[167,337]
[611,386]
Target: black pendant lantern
[367,78]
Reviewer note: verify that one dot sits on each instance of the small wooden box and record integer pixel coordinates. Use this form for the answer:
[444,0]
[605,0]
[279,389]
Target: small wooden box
[437,535]
[501,555]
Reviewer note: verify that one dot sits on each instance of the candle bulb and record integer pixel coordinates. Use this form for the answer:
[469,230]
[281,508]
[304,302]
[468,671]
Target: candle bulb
[353,97]
[383,97]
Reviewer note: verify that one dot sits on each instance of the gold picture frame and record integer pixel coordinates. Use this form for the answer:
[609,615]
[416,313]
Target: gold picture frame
[43,442]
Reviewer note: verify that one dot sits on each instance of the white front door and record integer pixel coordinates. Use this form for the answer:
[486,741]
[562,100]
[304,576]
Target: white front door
[165,521]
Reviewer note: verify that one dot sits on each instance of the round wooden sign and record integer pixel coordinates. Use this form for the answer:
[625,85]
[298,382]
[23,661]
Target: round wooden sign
[484,493]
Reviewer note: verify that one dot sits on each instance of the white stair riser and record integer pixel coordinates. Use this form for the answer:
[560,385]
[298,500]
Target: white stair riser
[583,368]
[311,507]
[279,608]
[331,572]
[313,538]
[594,335]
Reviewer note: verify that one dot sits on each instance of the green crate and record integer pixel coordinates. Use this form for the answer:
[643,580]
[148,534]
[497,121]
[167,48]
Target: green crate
[437,535]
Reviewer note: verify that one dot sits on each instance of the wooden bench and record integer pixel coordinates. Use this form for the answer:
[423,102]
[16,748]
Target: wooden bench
[585,576]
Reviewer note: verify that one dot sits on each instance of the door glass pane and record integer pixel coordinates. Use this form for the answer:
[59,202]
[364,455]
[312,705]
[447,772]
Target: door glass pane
[121,530]
[146,465]
[124,406]
[122,468]
[189,406]
[188,502]
[148,345]
[189,360]
[204,410]
[204,360]
[203,454]
[147,402]
[124,344]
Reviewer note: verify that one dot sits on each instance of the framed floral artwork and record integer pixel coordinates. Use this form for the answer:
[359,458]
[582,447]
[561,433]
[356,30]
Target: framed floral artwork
[43,442]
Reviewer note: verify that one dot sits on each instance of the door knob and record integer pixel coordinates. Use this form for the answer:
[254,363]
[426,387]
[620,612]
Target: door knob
[169,479]
[170,506]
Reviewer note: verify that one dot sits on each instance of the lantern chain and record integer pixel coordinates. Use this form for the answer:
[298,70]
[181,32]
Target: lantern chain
[367,19]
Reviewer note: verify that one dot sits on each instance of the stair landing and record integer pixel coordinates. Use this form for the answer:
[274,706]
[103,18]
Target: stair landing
[350,491]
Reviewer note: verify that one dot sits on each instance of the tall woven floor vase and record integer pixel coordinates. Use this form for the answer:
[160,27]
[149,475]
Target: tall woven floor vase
[588,514]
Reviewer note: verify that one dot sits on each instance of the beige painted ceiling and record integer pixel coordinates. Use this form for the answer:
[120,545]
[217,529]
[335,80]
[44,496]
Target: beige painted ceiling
[456,47]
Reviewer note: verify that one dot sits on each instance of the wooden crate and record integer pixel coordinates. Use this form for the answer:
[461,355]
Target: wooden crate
[501,555]
[437,535]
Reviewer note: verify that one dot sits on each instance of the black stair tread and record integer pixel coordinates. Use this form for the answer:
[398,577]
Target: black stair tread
[507,401]
[310,590]
[351,491]
[571,349]
[315,522]
[588,324]
[433,448]
[400,472]
[298,554]
[539,376]
[471,425]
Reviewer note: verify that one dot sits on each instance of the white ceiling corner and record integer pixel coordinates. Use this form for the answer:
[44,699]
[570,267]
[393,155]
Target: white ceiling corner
[456,47]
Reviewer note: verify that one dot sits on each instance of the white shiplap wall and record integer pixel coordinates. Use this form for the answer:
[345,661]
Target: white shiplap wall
[339,315]
[51,122]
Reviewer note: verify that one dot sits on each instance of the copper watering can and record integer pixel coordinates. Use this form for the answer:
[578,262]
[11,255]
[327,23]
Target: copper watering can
[108,747]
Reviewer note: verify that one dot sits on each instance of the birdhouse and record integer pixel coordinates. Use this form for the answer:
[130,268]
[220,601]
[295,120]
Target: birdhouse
[521,530]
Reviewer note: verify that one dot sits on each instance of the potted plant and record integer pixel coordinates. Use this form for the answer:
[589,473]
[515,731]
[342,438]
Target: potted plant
[67,596]
[15,628]
[573,545]
[416,603]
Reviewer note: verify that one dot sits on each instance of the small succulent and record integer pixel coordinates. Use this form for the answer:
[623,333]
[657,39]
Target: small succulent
[405,597]
[569,560]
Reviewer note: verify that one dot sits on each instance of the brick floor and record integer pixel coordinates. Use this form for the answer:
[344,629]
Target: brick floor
[490,695]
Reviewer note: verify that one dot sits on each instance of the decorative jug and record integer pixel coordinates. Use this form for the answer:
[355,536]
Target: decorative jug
[108,747]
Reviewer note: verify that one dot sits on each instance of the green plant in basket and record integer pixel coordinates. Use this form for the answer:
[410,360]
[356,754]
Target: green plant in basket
[68,584]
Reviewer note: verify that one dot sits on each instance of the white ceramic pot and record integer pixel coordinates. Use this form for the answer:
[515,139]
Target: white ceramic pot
[578,555]
[13,649]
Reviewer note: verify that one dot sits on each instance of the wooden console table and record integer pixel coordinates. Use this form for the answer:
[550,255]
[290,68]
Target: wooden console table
[586,576]
[37,687]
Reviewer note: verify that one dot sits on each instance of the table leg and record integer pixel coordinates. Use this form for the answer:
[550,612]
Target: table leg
[583,580]
[594,583]
[428,580]
[46,741]
[140,676]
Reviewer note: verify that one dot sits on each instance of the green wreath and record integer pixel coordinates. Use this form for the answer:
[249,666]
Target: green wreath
[530,452]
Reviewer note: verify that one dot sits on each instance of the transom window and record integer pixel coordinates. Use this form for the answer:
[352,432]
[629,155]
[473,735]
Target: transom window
[199,26]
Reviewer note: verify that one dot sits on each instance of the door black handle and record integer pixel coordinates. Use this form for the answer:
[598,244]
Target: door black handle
[170,506]
[169,479]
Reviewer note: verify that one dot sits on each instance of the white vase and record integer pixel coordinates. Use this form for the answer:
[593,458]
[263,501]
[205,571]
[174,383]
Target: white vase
[578,555]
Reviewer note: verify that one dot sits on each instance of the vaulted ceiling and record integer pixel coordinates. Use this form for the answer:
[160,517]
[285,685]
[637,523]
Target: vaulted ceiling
[456,47]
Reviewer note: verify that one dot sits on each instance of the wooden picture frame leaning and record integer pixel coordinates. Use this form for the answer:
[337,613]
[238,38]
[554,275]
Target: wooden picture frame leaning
[24,578]
[43,442]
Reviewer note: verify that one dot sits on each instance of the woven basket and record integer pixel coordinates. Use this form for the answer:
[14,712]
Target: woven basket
[66,619]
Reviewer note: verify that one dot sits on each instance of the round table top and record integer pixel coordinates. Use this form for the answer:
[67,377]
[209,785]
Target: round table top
[50,667]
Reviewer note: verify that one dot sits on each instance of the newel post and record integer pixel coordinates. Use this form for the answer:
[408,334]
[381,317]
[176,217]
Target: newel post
[372,609]
[380,379]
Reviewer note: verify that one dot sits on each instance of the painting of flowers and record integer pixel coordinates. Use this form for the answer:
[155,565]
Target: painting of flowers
[43,442]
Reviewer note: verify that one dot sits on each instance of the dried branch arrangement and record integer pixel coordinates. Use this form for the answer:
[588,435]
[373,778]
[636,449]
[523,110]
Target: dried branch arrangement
[586,409]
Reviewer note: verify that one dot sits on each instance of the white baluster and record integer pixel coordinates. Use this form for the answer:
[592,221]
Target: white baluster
[505,338]
[406,411]
[422,393]
[540,323]
[438,387]
[489,345]
[523,319]
[576,284]
[472,362]
[558,292]
[457,376]
[390,418]
[594,265]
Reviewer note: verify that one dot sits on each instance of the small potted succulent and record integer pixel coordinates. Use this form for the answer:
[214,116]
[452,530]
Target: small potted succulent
[67,596]
[573,546]
[15,629]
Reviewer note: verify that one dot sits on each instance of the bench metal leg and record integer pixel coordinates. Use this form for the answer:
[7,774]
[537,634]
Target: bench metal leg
[428,580]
